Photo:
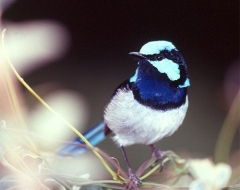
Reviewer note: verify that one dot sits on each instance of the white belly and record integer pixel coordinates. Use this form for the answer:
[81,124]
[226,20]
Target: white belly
[133,123]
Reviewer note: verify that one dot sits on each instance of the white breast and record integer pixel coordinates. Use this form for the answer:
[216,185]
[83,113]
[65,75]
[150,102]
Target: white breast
[133,123]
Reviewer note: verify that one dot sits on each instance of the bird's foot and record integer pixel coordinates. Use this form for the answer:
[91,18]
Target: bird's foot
[159,155]
[134,180]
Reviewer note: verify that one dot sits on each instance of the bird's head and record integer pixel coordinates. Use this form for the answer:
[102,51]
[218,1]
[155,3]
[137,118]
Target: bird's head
[165,59]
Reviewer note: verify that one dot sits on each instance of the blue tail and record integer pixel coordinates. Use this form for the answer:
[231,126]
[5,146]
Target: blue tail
[94,135]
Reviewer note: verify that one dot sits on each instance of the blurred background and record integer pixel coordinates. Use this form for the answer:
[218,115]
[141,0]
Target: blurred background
[98,35]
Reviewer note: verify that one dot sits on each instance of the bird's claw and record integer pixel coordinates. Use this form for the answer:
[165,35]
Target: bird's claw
[159,155]
[134,180]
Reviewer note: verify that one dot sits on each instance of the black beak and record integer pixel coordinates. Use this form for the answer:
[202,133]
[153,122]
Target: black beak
[137,55]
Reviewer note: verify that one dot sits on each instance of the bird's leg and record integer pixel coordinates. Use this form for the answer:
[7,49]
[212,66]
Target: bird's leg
[132,175]
[159,154]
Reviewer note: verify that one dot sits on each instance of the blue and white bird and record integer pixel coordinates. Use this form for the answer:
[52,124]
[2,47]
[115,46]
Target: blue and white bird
[150,105]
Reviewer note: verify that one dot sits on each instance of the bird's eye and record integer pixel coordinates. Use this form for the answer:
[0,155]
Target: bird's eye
[159,57]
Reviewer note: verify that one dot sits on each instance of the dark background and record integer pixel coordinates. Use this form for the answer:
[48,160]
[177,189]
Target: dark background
[104,32]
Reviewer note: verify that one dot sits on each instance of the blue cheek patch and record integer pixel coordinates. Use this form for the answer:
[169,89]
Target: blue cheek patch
[168,67]
[186,84]
[134,78]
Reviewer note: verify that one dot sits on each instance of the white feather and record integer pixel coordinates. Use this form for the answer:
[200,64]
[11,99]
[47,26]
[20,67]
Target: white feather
[134,123]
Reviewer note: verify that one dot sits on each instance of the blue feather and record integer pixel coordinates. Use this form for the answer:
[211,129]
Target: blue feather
[94,135]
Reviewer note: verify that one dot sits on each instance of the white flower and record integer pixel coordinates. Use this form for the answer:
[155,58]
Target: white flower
[209,176]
